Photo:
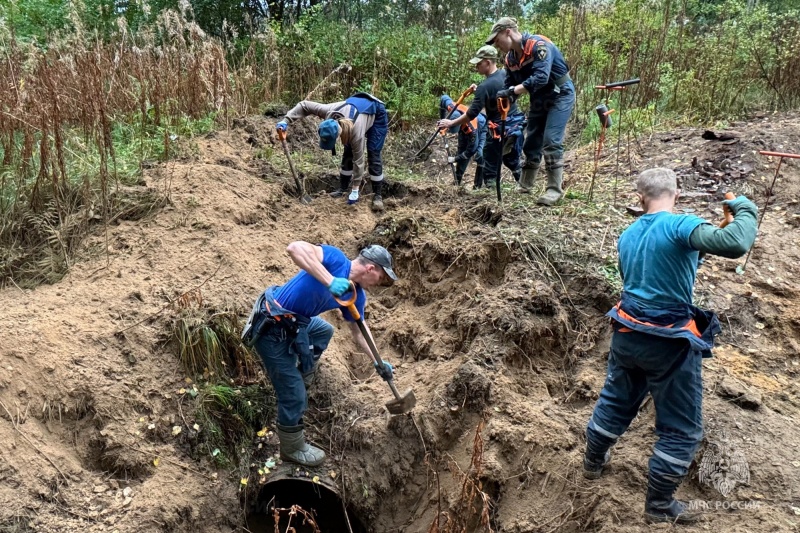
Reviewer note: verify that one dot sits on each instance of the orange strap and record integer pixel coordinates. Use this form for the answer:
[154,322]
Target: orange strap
[493,129]
[689,326]
[276,317]
[527,51]
[467,127]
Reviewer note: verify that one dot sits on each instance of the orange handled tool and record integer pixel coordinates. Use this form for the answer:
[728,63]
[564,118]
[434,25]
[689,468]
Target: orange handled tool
[503,106]
[400,404]
[460,101]
[301,192]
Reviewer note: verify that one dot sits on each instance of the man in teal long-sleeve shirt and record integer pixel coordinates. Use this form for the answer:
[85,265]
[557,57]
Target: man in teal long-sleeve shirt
[660,338]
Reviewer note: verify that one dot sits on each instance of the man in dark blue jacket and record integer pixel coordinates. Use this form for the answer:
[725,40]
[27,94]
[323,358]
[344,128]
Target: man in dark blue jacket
[289,336]
[660,338]
[534,65]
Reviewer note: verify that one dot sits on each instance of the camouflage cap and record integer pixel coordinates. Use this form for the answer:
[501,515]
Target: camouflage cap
[502,24]
[485,52]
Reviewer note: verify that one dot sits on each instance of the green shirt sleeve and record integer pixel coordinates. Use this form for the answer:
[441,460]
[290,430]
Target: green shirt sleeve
[735,239]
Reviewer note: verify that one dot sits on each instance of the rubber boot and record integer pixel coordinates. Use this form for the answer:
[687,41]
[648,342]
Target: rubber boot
[555,176]
[593,465]
[478,183]
[527,180]
[377,199]
[516,174]
[660,506]
[344,183]
[294,447]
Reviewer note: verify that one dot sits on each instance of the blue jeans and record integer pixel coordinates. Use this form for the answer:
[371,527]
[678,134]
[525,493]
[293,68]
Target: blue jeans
[547,122]
[671,372]
[280,361]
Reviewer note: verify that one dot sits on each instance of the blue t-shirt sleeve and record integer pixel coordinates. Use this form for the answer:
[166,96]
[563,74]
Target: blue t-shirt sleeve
[333,259]
[361,302]
[682,228]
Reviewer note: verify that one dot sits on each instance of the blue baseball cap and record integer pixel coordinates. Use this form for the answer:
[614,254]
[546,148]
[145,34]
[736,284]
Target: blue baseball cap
[328,131]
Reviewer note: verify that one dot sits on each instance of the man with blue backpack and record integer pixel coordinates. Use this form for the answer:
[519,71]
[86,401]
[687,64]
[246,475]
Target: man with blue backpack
[471,140]
[362,124]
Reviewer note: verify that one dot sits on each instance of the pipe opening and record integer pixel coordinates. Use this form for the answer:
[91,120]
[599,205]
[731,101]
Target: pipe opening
[320,503]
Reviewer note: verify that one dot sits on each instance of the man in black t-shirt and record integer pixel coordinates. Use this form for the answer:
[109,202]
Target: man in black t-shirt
[485,62]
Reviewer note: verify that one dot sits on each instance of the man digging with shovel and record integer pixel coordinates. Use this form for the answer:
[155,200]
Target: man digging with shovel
[660,338]
[287,333]
[362,125]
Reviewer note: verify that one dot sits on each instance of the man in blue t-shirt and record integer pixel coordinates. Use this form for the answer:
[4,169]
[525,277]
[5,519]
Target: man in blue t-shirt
[660,338]
[287,333]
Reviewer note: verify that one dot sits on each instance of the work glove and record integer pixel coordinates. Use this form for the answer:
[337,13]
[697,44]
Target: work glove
[339,286]
[507,93]
[353,198]
[451,160]
[282,125]
[386,371]
[738,203]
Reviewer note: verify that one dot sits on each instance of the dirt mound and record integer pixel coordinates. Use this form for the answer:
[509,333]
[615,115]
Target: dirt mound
[497,324]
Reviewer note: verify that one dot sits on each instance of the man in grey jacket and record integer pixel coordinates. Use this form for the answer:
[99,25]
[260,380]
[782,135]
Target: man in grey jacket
[362,124]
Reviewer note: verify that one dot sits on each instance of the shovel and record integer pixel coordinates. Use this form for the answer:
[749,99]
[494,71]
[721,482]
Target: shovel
[401,404]
[460,100]
[504,106]
[301,192]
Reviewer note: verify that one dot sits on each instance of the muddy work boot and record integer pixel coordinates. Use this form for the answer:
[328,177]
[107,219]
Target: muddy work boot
[294,447]
[593,465]
[377,198]
[555,176]
[527,180]
[660,506]
[344,184]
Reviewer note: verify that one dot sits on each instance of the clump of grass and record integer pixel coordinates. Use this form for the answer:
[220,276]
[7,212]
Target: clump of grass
[209,344]
[230,417]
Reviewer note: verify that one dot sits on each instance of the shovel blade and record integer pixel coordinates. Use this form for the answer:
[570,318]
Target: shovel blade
[403,404]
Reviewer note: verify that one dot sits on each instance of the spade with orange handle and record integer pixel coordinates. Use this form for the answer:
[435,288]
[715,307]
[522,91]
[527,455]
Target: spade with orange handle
[460,101]
[301,192]
[400,404]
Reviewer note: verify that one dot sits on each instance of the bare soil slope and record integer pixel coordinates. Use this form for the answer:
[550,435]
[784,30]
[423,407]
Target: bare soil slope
[498,317]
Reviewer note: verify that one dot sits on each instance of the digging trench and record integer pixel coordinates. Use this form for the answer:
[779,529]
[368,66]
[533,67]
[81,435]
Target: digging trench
[426,322]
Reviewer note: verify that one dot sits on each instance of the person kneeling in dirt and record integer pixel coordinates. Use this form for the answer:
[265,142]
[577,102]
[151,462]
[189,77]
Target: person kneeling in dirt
[471,140]
[497,151]
[287,333]
[660,338]
[362,124]
[534,65]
